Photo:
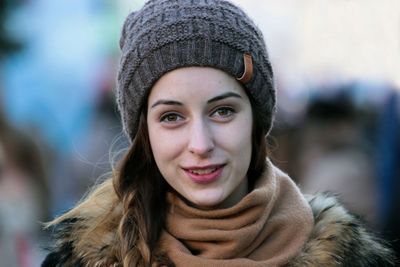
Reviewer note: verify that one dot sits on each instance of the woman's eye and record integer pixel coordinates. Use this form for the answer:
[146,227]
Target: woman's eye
[223,112]
[171,117]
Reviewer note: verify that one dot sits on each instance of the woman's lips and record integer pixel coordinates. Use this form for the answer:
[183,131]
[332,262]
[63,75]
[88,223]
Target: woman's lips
[204,175]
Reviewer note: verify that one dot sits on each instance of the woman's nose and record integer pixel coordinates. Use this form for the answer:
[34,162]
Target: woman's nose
[201,140]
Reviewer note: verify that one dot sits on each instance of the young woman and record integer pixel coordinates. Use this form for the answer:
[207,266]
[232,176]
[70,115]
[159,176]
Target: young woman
[197,99]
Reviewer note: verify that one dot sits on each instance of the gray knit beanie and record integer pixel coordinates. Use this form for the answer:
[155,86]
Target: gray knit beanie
[168,34]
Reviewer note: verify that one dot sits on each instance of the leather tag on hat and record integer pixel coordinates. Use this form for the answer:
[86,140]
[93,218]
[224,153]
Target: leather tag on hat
[248,69]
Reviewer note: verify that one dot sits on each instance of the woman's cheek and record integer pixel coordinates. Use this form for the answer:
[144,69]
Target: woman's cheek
[236,136]
[169,144]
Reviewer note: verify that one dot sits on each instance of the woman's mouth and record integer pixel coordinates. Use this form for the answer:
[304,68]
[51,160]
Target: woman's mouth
[204,175]
[203,171]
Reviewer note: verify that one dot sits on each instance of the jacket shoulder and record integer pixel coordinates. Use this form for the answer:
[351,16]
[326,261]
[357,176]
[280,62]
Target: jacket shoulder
[340,239]
[87,235]
[62,252]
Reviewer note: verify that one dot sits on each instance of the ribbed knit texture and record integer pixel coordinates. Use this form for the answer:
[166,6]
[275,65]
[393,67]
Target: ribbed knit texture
[169,34]
[268,227]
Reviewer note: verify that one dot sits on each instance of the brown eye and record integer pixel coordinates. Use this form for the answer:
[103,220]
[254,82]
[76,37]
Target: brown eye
[223,112]
[171,117]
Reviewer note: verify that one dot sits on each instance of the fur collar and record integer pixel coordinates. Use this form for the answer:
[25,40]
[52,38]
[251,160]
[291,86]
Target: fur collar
[337,239]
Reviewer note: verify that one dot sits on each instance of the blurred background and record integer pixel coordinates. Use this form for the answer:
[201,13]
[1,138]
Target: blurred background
[337,68]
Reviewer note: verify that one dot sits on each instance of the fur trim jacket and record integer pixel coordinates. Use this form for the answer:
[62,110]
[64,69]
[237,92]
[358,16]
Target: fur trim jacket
[337,239]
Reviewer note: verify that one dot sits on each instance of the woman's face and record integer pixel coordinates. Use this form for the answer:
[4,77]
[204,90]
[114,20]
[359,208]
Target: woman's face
[200,125]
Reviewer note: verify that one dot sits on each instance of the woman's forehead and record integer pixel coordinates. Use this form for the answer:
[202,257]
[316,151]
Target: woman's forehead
[195,82]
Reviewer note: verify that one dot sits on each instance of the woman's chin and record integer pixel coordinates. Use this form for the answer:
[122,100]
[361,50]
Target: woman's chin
[205,202]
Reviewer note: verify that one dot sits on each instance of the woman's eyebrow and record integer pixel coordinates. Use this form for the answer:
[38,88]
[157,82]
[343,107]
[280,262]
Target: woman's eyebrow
[223,96]
[177,103]
[167,102]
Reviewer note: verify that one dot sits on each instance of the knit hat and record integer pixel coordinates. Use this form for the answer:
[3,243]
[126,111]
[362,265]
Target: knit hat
[168,34]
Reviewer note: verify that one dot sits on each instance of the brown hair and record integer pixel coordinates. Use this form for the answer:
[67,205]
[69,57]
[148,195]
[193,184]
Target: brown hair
[141,189]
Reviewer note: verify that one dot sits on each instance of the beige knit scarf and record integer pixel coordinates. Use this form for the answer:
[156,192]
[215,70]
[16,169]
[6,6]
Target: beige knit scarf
[267,227]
